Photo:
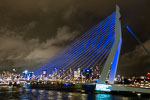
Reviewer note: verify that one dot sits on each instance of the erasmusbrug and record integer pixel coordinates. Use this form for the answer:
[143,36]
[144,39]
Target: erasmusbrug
[95,53]
[96,49]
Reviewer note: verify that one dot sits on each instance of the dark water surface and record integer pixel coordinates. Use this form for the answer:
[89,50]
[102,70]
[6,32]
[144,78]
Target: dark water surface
[7,93]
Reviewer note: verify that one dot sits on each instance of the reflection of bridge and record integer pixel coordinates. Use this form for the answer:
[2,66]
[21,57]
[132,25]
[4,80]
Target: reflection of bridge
[98,47]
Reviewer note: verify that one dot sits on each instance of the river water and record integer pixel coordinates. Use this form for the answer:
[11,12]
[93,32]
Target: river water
[7,93]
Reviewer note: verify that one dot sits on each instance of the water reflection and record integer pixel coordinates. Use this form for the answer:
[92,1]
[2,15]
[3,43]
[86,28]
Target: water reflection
[37,94]
[103,97]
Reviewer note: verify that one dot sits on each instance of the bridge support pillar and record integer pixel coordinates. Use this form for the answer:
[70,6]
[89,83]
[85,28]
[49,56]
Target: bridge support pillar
[112,60]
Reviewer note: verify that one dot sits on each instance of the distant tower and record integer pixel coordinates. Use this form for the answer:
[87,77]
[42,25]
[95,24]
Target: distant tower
[112,60]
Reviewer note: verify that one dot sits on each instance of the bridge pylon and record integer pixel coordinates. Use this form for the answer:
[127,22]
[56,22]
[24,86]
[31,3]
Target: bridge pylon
[112,59]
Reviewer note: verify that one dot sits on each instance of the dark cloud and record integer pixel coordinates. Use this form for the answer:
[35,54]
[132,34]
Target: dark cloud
[48,15]
[17,52]
[136,62]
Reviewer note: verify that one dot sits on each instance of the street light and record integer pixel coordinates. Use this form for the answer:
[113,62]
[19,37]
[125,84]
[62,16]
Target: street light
[26,71]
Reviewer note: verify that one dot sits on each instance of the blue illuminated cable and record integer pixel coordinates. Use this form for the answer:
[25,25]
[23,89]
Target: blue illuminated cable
[97,26]
[106,49]
[81,66]
[100,57]
[103,58]
[80,69]
[87,63]
[146,50]
[91,32]
[112,14]
[79,62]
[88,54]
[111,43]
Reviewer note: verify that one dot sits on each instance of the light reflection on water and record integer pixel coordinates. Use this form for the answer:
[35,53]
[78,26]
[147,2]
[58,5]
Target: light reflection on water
[37,94]
[103,97]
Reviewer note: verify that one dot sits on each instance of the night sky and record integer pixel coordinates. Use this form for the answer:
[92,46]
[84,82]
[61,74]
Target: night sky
[33,31]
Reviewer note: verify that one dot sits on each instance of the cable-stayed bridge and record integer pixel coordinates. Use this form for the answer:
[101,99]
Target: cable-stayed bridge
[97,49]
[90,49]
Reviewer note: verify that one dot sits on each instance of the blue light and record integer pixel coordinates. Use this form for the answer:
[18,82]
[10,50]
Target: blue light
[87,62]
[114,63]
[26,71]
[89,50]
[130,31]
[146,50]
[85,51]
[66,85]
[85,57]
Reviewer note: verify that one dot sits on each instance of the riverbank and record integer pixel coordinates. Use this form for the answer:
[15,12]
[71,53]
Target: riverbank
[87,88]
